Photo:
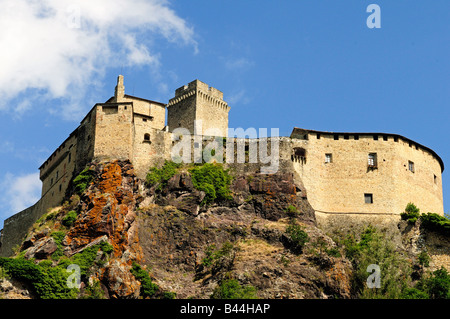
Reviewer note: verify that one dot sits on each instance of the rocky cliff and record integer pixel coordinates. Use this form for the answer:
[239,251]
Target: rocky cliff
[135,239]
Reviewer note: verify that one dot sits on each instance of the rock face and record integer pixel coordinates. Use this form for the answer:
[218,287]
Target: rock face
[170,232]
[176,233]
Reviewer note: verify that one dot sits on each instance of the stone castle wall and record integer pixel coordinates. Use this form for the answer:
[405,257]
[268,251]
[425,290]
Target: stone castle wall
[340,186]
[198,108]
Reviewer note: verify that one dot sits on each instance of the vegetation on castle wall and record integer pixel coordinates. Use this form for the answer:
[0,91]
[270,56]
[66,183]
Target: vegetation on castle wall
[436,223]
[411,213]
[430,221]
[214,180]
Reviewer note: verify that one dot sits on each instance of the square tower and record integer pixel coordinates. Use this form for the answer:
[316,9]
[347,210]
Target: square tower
[198,108]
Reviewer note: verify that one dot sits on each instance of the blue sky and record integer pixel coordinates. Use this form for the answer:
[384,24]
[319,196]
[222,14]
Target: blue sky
[311,64]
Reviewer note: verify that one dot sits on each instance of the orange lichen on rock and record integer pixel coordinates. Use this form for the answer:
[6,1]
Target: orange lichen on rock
[108,210]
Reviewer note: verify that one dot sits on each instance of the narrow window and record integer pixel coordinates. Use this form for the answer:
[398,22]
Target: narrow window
[56,175]
[146,137]
[372,160]
[368,198]
[51,181]
[435,179]
[411,166]
[328,158]
[395,138]
[318,136]
[70,157]
[60,187]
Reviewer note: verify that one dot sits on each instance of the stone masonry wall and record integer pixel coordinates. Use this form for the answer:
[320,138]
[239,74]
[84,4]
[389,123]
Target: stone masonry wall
[340,186]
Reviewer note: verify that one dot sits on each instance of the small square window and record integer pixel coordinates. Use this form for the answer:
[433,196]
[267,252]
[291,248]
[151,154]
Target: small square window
[328,158]
[346,136]
[368,198]
[336,137]
[385,137]
[356,137]
[375,137]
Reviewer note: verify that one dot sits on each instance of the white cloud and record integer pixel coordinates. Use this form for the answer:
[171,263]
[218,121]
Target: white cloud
[60,48]
[239,64]
[238,97]
[19,192]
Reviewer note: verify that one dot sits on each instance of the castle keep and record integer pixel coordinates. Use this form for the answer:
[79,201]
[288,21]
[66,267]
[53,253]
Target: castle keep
[344,174]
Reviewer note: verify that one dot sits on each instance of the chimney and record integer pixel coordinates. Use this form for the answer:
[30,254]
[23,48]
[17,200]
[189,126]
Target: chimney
[119,92]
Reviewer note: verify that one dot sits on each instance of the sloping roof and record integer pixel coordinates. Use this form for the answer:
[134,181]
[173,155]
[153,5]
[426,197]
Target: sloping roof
[441,162]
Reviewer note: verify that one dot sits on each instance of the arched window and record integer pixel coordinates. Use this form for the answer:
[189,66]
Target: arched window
[146,137]
[299,155]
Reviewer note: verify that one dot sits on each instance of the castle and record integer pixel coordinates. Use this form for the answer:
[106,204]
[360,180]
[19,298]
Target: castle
[344,174]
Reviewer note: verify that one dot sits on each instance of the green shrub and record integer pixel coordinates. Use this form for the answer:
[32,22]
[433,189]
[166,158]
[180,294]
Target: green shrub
[424,259]
[84,259]
[82,181]
[413,293]
[106,247]
[213,255]
[94,291]
[48,282]
[411,213]
[297,236]
[58,236]
[160,176]
[292,210]
[69,219]
[148,288]
[213,180]
[374,248]
[231,289]
[438,285]
[169,295]
[436,223]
